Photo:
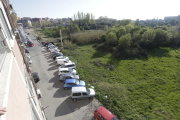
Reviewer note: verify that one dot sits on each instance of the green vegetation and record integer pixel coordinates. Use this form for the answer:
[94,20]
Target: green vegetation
[134,64]
[144,88]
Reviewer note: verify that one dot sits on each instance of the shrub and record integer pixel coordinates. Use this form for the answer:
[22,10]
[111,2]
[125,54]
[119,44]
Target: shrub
[125,41]
[111,38]
[128,28]
[103,38]
[120,32]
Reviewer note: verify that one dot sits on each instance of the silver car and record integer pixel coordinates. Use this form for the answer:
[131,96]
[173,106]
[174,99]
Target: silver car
[68,76]
[82,93]
[71,65]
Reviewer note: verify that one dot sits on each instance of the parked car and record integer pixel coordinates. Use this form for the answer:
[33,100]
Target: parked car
[26,51]
[57,55]
[53,49]
[63,61]
[103,114]
[55,52]
[69,83]
[31,44]
[66,70]
[62,57]
[68,76]
[36,77]
[27,33]
[71,65]
[82,93]
[46,43]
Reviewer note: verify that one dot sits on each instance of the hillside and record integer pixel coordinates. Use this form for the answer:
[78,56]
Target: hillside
[136,89]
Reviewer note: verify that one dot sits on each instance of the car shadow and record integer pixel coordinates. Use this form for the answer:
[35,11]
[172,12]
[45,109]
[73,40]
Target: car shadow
[62,93]
[54,63]
[55,67]
[50,61]
[68,106]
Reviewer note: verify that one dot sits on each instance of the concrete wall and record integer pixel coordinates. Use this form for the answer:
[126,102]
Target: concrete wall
[18,103]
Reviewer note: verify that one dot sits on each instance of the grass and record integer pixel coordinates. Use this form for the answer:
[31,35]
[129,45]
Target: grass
[86,37]
[138,89]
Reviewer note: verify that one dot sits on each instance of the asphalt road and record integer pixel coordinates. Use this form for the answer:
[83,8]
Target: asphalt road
[56,101]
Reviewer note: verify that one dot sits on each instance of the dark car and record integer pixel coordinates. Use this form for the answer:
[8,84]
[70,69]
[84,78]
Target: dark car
[28,33]
[46,43]
[26,51]
[35,76]
[54,53]
[57,55]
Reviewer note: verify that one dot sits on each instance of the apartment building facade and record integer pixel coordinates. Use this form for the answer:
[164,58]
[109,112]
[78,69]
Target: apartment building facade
[18,92]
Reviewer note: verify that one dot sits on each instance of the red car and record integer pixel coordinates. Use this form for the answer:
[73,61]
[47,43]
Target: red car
[103,114]
[30,43]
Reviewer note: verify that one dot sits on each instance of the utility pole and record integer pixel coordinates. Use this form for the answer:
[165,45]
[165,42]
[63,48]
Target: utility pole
[61,38]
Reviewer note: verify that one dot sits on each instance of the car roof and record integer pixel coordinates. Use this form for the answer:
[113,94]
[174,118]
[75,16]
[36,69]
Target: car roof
[69,63]
[78,89]
[105,113]
[70,80]
[62,69]
[68,74]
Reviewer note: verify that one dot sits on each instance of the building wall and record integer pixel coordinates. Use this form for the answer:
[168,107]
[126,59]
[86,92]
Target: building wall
[18,103]
[18,56]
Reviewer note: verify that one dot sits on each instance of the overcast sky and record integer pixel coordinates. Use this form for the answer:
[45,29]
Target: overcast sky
[118,9]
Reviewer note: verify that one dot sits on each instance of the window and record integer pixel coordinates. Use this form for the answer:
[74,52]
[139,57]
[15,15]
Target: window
[6,28]
[76,94]
[84,93]
[101,117]
[2,52]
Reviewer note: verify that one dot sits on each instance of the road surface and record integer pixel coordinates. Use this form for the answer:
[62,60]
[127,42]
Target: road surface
[56,101]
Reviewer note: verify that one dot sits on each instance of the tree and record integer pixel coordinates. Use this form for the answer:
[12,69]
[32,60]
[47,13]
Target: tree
[14,18]
[128,28]
[125,22]
[103,38]
[162,37]
[27,24]
[137,22]
[125,41]
[173,21]
[111,38]
[148,36]
[121,32]
[43,27]
[106,28]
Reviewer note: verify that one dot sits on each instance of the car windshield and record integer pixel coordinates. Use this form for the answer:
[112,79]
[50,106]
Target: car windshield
[70,70]
[67,61]
[88,91]
[114,118]
[77,82]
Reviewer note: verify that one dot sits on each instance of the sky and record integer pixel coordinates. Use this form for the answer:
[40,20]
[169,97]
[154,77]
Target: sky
[117,9]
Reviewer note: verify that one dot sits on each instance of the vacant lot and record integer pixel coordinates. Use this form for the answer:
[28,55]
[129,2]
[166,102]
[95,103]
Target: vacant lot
[146,88]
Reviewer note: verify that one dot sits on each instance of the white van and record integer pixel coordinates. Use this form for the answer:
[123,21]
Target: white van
[82,93]
[63,61]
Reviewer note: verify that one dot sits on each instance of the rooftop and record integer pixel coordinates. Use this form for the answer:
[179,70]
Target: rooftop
[78,89]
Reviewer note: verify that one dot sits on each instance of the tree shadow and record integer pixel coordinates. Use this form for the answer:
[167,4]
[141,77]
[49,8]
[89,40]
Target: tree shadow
[159,53]
[68,106]
[98,54]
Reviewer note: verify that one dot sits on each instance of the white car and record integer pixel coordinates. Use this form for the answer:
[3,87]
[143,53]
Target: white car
[54,50]
[66,70]
[52,47]
[62,57]
[71,65]
[63,61]
[82,93]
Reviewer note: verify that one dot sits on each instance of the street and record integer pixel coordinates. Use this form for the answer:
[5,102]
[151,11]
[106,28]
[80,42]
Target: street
[56,101]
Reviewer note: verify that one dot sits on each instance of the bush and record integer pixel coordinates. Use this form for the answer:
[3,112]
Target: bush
[120,32]
[103,38]
[111,39]
[125,41]
[103,47]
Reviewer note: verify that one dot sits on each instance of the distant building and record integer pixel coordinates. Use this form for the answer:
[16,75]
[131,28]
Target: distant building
[170,17]
[26,18]
[24,22]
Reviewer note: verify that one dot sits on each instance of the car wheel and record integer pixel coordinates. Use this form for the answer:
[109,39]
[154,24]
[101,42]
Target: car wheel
[74,100]
[65,88]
